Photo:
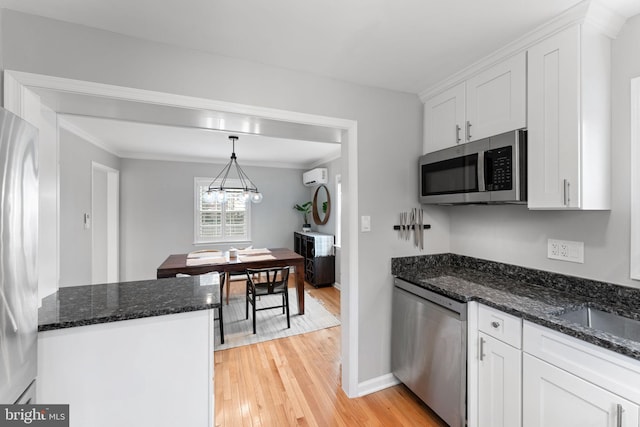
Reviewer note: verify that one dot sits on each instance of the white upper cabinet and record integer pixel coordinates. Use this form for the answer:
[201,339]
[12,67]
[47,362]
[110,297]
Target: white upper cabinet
[488,103]
[444,119]
[568,121]
[497,99]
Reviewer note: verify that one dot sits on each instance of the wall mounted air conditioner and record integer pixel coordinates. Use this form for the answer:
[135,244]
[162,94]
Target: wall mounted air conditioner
[315,176]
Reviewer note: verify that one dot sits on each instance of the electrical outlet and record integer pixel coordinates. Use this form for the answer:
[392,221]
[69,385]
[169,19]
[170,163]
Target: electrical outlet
[565,250]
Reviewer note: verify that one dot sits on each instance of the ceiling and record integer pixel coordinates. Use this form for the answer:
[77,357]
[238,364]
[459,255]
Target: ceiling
[403,45]
[137,140]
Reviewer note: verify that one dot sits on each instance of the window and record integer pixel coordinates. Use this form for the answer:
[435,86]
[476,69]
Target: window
[216,222]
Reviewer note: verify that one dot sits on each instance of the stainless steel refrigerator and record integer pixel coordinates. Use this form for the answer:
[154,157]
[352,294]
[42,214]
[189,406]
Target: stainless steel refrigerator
[18,258]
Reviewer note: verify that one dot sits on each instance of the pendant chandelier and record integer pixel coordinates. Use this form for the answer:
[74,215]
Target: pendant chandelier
[218,189]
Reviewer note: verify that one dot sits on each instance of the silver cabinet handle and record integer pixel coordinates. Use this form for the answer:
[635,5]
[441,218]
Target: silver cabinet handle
[495,324]
[619,415]
[468,130]
[567,187]
[458,129]
[481,348]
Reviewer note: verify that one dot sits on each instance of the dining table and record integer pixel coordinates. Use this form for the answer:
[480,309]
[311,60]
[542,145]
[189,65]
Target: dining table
[223,262]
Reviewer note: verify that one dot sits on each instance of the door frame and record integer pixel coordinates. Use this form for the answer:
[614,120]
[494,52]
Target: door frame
[113,222]
[16,81]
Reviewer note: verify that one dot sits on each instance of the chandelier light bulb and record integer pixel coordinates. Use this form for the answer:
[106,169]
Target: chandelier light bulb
[220,196]
[256,197]
[207,197]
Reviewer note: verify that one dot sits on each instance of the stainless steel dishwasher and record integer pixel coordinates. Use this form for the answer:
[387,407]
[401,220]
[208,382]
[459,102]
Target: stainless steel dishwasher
[429,349]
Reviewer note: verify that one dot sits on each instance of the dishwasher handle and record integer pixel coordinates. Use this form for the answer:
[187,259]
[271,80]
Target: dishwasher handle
[458,307]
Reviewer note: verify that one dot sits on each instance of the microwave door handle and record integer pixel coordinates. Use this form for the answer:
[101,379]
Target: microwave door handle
[480,171]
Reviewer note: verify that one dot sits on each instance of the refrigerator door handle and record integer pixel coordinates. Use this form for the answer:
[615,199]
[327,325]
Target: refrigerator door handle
[12,319]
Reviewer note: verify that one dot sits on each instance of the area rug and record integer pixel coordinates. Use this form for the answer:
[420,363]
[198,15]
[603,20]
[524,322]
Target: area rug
[271,324]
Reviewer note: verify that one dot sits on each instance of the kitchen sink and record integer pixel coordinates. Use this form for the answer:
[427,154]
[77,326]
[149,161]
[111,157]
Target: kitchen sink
[603,321]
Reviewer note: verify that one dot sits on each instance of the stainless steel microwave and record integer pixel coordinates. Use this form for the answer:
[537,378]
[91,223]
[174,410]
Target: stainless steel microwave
[490,170]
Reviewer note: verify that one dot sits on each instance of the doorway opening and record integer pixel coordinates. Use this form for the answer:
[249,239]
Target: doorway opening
[104,223]
[98,99]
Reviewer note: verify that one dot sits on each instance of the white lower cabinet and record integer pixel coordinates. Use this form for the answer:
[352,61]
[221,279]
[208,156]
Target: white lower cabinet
[499,383]
[521,374]
[553,397]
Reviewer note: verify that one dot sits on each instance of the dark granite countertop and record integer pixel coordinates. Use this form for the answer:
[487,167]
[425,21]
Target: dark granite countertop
[534,295]
[113,302]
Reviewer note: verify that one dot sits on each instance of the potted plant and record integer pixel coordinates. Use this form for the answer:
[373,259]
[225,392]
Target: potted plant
[305,209]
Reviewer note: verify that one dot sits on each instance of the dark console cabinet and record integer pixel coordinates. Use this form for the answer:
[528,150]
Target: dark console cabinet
[319,258]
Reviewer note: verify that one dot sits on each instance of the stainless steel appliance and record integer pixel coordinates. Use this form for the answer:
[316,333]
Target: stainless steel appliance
[429,349]
[491,170]
[18,259]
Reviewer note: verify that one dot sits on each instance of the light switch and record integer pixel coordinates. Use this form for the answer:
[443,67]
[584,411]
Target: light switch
[365,223]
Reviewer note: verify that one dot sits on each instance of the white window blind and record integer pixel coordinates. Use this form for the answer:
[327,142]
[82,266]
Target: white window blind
[215,221]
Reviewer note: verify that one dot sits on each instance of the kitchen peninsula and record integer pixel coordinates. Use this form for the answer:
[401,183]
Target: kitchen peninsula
[152,339]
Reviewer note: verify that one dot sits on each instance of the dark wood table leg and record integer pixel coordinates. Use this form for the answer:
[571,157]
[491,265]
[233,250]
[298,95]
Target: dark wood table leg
[300,286]
[228,280]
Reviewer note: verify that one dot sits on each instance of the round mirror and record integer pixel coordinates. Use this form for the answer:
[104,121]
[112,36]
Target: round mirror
[321,205]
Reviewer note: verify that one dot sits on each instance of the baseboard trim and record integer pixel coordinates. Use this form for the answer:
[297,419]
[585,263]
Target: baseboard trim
[337,286]
[377,384]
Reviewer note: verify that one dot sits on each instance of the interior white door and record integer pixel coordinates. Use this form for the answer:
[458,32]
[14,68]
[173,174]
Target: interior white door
[104,223]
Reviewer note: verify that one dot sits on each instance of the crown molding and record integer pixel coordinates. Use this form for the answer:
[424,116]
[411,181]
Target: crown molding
[65,124]
[604,19]
[324,161]
[588,11]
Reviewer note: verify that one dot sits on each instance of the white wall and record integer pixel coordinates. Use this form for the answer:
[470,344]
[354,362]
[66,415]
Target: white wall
[157,211]
[518,236]
[389,136]
[76,155]
[334,168]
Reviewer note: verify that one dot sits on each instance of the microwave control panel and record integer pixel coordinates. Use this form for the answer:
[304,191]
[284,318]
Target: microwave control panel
[498,165]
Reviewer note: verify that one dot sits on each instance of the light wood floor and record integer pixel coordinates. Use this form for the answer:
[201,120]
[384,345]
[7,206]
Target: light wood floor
[295,381]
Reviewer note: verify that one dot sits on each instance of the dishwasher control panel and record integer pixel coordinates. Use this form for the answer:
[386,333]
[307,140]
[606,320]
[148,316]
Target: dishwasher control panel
[441,300]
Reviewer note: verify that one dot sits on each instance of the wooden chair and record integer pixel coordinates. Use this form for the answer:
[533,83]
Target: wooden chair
[221,278]
[267,281]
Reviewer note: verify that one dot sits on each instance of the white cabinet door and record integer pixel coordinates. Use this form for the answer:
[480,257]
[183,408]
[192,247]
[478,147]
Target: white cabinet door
[553,397]
[444,120]
[499,383]
[497,99]
[553,130]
